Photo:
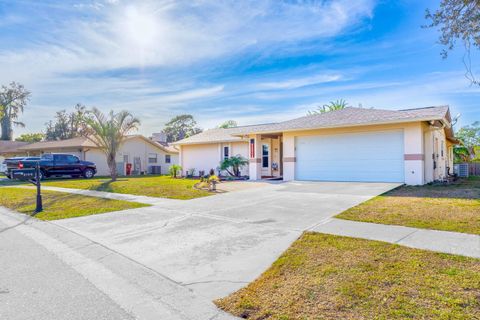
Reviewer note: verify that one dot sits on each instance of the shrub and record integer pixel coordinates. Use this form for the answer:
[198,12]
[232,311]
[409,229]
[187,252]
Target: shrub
[235,163]
[175,170]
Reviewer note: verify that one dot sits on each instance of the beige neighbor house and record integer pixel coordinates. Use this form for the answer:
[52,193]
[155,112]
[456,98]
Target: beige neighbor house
[145,155]
[413,146]
[10,149]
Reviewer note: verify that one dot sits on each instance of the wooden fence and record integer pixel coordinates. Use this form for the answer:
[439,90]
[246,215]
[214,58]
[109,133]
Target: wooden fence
[474,168]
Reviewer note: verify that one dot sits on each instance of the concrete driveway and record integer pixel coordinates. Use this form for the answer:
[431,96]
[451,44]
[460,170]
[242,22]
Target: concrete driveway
[216,245]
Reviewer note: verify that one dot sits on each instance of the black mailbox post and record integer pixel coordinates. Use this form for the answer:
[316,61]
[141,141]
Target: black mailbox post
[32,176]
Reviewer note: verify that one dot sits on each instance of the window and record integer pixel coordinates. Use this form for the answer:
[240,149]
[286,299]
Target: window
[442,149]
[265,157]
[72,159]
[167,158]
[225,153]
[252,148]
[152,158]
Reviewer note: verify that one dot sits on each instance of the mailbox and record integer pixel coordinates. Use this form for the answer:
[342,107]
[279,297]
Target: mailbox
[23,174]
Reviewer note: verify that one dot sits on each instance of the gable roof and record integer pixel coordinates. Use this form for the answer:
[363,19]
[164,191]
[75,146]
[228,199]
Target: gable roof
[222,135]
[82,142]
[347,117]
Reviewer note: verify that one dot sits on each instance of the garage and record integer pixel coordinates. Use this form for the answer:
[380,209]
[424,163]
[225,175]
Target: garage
[375,156]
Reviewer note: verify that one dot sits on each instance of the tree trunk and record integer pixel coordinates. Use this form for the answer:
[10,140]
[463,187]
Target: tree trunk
[112,165]
[7,133]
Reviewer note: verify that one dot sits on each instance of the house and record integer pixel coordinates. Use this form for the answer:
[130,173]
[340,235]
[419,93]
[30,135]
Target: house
[413,146]
[144,154]
[10,149]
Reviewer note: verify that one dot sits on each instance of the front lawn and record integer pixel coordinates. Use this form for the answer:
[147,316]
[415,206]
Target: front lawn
[153,186]
[454,207]
[60,205]
[330,277]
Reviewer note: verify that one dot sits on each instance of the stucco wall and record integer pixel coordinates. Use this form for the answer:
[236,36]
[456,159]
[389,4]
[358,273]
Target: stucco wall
[203,157]
[413,148]
[438,153]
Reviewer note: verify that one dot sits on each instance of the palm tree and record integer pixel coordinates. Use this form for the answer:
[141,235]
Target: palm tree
[332,106]
[12,101]
[108,132]
[236,163]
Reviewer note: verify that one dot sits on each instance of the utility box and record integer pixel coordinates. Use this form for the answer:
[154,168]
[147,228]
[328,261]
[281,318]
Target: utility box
[461,170]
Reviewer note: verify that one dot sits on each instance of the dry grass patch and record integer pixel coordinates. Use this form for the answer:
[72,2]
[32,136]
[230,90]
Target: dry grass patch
[453,207]
[330,277]
[59,205]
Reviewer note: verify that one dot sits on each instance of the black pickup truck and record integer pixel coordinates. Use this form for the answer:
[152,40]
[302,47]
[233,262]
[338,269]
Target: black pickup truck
[56,164]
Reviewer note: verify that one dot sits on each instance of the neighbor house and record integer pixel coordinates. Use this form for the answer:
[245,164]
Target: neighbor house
[145,155]
[413,146]
[10,149]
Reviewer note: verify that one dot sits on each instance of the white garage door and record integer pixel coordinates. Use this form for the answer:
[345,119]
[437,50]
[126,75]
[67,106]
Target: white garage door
[369,156]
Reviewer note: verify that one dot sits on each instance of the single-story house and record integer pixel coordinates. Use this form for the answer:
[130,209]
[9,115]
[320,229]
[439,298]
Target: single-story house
[145,155]
[10,149]
[413,146]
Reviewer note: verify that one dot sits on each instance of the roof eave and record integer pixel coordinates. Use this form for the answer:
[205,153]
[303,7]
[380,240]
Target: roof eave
[345,125]
[179,143]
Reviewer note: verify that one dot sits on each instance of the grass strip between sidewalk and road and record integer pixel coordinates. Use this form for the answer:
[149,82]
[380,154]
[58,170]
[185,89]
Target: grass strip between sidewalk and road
[60,205]
[331,277]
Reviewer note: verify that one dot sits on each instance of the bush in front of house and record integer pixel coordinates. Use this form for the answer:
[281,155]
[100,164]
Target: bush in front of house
[175,170]
[233,165]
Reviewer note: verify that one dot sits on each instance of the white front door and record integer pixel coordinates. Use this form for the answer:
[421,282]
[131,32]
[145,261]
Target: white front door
[266,160]
[364,156]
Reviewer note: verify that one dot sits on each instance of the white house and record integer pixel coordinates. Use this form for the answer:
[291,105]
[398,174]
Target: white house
[413,146]
[144,154]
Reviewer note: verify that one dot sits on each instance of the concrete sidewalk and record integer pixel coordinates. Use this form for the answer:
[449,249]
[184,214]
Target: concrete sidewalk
[107,195]
[441,241]
[126,284]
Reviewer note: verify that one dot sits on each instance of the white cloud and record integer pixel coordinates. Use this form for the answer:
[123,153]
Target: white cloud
[300,82]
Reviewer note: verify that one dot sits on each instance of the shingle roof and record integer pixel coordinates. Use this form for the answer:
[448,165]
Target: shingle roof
[68,143]
[340,118]
[82,142]
[222,135]
[11,146]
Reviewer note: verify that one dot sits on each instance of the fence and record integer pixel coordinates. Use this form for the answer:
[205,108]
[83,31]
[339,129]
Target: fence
[474,168]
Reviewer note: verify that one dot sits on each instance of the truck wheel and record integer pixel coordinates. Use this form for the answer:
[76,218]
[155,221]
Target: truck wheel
[88,173]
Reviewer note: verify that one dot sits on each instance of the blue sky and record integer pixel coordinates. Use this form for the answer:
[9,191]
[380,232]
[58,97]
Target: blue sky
[250,61]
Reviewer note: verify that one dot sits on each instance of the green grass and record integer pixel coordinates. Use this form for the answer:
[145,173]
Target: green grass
[330,277]
[153,186]
[454,207]
[59,205]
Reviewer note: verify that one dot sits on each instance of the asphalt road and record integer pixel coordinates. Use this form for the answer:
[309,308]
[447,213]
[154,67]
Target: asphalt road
[35,284]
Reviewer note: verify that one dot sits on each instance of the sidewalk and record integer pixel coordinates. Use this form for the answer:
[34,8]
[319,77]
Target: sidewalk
[134,287]
[107,195]
[441,241]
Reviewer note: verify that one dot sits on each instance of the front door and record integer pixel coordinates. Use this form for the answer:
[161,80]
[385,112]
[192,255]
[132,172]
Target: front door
[266,163]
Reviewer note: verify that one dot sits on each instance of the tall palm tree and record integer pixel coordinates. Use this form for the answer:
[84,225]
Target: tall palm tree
[108,132]
[332,106]
[12,101]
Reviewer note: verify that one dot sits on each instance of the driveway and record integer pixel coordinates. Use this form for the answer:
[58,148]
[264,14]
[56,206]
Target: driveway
[216,245]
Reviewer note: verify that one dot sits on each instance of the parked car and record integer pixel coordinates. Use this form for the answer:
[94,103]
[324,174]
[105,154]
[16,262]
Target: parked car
[13,163]
[56,165]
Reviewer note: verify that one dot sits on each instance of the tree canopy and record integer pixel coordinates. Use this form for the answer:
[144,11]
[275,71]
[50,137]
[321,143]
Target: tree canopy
[31,137]
[228,124]
[333,105]
[470,137]
[181,127]
[13,100]
[66,125]
[457,21]
[108,132]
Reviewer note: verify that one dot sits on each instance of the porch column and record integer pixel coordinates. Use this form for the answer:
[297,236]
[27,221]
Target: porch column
[289,158]
[255,157]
